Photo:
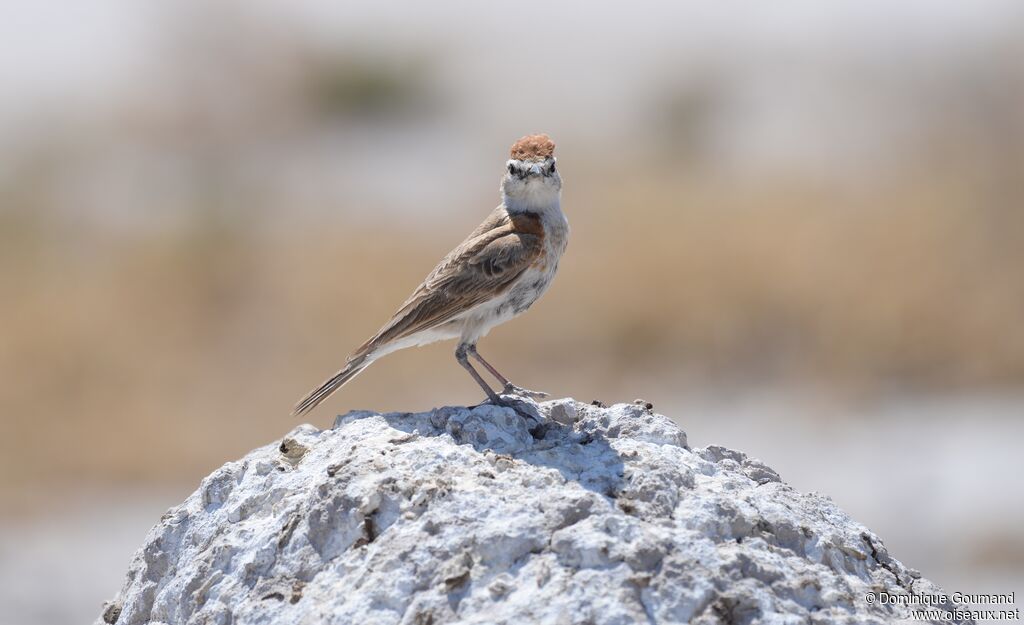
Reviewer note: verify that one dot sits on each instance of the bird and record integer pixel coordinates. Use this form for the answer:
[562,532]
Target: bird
[495,274]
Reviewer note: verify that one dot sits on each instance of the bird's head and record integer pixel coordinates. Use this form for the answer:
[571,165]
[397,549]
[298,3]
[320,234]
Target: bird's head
[531,177]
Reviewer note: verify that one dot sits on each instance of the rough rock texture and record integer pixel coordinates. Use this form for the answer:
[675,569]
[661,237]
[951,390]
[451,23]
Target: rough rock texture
[582,514]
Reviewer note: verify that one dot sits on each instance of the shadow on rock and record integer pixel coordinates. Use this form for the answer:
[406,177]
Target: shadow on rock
[524,431]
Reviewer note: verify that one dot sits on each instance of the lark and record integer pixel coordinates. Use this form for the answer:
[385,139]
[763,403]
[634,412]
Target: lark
[497,273]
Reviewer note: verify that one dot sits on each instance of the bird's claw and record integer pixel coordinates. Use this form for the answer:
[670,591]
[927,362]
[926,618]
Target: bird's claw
[512,389]
[522,408]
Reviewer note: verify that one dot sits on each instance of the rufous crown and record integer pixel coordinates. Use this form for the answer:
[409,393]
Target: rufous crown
[533,148]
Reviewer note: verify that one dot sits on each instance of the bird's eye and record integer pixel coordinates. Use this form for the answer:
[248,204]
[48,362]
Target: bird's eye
[551,168]
[511,168]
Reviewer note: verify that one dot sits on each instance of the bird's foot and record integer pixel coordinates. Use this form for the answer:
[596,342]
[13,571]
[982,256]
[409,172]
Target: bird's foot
[525,409]
[512,389]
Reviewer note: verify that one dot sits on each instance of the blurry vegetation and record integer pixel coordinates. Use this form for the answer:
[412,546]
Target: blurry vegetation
[140,340]
[352,85]
[147,353]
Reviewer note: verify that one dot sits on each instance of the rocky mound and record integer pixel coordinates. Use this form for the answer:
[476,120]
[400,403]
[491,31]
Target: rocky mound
[561,512]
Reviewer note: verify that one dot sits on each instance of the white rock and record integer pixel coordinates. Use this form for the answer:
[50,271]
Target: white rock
[582,514]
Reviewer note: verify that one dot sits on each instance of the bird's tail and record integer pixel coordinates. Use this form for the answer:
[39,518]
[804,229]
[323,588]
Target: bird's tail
[336,381]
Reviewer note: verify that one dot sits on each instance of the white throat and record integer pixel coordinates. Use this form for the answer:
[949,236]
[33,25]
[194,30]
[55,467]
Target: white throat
[537,199]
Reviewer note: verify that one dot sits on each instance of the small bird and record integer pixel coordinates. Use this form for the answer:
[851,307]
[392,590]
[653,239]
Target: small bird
[498,272]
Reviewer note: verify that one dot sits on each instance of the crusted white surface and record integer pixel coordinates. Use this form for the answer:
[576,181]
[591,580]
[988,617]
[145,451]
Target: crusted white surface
[593,515]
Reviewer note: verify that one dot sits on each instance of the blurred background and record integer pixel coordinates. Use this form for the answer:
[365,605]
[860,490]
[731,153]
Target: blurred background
[797,227]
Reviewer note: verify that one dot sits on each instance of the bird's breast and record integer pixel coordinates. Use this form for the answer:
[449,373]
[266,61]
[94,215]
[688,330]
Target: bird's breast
[528,288]
[526,291]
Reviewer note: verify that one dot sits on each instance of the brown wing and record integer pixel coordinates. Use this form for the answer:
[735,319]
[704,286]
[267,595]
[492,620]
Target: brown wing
[483,266]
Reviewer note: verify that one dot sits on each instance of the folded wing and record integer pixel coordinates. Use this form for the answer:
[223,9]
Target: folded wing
[483,267]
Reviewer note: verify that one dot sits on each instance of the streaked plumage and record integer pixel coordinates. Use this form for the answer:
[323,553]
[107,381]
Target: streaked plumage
[497,272]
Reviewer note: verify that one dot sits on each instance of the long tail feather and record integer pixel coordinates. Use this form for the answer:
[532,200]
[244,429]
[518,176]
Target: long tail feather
[325,390]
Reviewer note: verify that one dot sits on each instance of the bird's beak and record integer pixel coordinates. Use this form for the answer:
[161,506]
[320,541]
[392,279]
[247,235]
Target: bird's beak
[537,169]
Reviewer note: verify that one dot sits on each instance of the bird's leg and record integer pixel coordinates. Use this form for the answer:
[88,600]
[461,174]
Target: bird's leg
[461,355]
[475,354]
[510,389]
